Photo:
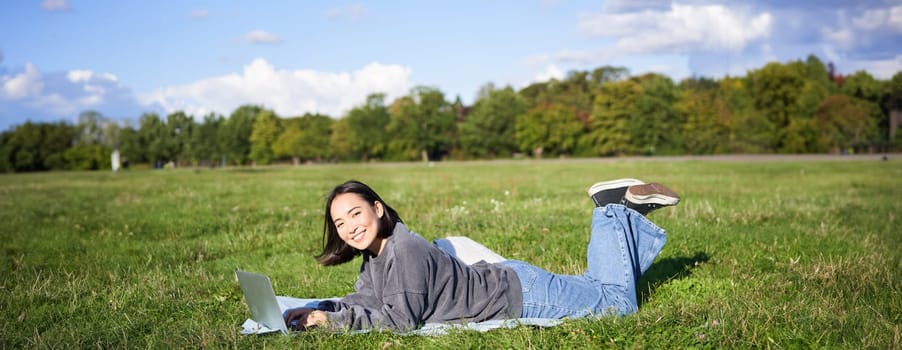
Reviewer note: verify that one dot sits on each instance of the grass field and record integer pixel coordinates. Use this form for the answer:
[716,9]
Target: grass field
[782,254]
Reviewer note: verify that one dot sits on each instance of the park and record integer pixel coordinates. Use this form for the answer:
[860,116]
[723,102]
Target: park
[773,251]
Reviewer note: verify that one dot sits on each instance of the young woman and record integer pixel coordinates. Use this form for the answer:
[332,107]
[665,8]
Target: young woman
[405,281]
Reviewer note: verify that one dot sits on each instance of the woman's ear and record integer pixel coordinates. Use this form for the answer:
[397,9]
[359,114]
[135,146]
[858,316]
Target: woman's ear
[380,210]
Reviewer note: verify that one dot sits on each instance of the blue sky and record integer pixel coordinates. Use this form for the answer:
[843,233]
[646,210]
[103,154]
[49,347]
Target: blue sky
[59,58]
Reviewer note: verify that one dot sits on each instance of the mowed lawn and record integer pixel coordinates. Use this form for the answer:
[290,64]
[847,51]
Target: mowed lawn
[781,253]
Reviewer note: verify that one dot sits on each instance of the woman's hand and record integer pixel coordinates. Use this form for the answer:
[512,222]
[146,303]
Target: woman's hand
[302,318]
[316,318]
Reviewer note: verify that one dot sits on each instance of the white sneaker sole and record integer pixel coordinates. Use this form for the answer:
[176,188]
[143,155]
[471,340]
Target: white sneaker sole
[607,185]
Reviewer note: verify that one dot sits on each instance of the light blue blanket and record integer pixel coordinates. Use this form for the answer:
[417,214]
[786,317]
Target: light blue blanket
[463,248]
[429,329]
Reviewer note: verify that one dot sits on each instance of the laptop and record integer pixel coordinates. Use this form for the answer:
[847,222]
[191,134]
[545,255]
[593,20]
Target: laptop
[261,300]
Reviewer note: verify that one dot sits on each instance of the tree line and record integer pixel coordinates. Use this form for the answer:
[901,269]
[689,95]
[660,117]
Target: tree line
[801,106]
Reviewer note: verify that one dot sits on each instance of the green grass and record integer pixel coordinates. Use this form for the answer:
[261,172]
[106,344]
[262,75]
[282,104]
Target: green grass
[760,254]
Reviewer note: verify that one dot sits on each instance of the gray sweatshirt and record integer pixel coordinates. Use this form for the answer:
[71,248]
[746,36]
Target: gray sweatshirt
[412,282]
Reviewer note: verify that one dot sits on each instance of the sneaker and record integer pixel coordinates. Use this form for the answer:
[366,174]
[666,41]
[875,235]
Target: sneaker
[607,192]
[647,197]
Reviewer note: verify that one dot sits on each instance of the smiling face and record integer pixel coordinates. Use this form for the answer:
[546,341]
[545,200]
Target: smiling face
[357,222]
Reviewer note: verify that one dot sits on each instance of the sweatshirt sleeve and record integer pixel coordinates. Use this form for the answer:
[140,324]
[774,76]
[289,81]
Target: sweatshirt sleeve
[403,303]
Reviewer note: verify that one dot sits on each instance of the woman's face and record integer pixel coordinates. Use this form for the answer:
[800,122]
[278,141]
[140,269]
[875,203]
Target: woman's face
[357,221]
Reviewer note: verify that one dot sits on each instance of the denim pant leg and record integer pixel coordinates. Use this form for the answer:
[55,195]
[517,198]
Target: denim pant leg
[549,295]
[622,246]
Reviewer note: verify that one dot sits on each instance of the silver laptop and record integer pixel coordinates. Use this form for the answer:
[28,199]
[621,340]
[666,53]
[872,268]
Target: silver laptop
[261,300]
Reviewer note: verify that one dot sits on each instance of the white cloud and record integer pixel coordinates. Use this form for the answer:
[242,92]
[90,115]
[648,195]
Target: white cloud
[261,37]
[680,29]
[551,72]
[199,14]
[25,84]
[677,29]
[631,5]
[60,93]
[55,5]
[353,13]
[858,32]
[880,69]
[287,92]
[76,76]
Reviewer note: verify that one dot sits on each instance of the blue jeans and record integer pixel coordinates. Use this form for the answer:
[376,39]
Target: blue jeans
[622,246]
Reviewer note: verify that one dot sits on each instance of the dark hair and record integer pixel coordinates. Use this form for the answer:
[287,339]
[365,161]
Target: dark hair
[335,250]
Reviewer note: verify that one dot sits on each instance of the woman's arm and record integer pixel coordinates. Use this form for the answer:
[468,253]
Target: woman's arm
[404,296]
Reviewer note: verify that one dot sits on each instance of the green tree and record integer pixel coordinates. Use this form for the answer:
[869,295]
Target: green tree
[489,129]
[422,125]
[305,138]
[235,134]
[863,86]
[366,128]
[340,141]
[709,125]
[287,144]
[203,143]
[152,139]
[655,125]
[316,136]
[607,74]
[179,128]
[609,131]
[37,146]
[90,128]
[552,130]
[536,94]
[130,147]
[266,129]
[893,106]
[88,157]
[845,122]
[751,131]
[775,89]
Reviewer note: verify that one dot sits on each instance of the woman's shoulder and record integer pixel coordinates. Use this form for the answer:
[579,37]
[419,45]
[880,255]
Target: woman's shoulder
[409,243]
[402,235]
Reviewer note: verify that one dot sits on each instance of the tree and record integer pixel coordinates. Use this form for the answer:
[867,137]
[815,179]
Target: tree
[775,90]
[654,127]
[56,139]
[152,139]
[708,125]
[263,136]
[340,140]
[305,138]
[235,133]
[536,94]
[489,130]
[287,144]
[179,128]
[607,74]
[366,128]
[90,128]
[553,129]
[203,144]
[37,146]
[130,146]
[88,157]
[863,86]
[609,131]
[422,125]
[845,122]
[893,104]
[316,136]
